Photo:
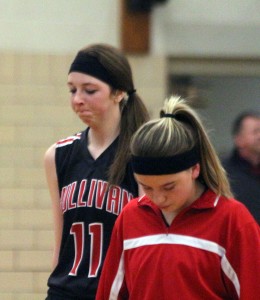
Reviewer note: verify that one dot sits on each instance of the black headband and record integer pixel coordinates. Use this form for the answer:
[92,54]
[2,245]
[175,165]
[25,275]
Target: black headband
[90,65]
[165,165]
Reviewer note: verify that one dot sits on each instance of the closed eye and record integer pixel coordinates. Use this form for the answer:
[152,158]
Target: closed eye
[169,187]
[72,91]
[146,188]
[90,92]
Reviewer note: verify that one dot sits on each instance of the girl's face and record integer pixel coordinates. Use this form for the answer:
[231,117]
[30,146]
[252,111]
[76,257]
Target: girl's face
[92,99]
[173,192]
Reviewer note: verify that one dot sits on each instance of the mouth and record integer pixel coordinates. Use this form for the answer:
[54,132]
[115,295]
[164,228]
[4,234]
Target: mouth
[83,112]
[163,206]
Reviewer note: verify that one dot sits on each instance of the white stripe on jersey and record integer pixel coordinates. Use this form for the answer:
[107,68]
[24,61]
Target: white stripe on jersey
[119,278]
[69,140]
[181,240]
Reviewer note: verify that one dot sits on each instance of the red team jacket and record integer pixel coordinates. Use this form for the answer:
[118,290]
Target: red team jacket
[211,251]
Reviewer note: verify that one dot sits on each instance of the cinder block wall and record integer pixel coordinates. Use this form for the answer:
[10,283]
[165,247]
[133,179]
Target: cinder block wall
[34,113]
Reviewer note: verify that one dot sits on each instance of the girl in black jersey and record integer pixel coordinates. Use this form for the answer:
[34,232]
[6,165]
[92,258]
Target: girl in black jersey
[88,174]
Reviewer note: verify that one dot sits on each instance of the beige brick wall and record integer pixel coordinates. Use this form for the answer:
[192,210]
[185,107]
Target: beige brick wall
[34,113]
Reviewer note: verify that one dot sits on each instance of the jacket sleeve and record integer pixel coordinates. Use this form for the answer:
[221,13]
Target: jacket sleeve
[244,255]
[112,281]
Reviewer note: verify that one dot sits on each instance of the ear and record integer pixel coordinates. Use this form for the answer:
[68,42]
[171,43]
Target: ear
[118,96]
[195,171]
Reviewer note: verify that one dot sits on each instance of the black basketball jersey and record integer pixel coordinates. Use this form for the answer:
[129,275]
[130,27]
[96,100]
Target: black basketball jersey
[90,210]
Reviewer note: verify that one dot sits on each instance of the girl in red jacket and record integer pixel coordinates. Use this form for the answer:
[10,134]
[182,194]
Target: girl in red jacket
[186,238]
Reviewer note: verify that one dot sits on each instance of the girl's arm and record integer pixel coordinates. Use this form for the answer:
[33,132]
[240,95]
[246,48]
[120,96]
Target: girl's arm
[244,257]
[248,261]
[52,181]
[112,281]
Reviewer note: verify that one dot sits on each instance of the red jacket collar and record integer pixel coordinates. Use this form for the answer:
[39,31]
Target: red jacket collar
[207,200]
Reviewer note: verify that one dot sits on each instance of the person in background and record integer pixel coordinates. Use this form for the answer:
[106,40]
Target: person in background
[187,237]
[89,175]
[243,164]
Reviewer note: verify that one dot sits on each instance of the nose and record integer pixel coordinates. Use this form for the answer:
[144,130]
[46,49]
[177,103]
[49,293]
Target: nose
[78,97]
[158,197]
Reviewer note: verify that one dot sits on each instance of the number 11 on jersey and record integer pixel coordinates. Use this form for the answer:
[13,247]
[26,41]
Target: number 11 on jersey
[95,230]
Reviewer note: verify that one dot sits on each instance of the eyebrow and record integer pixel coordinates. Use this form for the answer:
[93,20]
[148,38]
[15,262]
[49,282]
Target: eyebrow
[83,84]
